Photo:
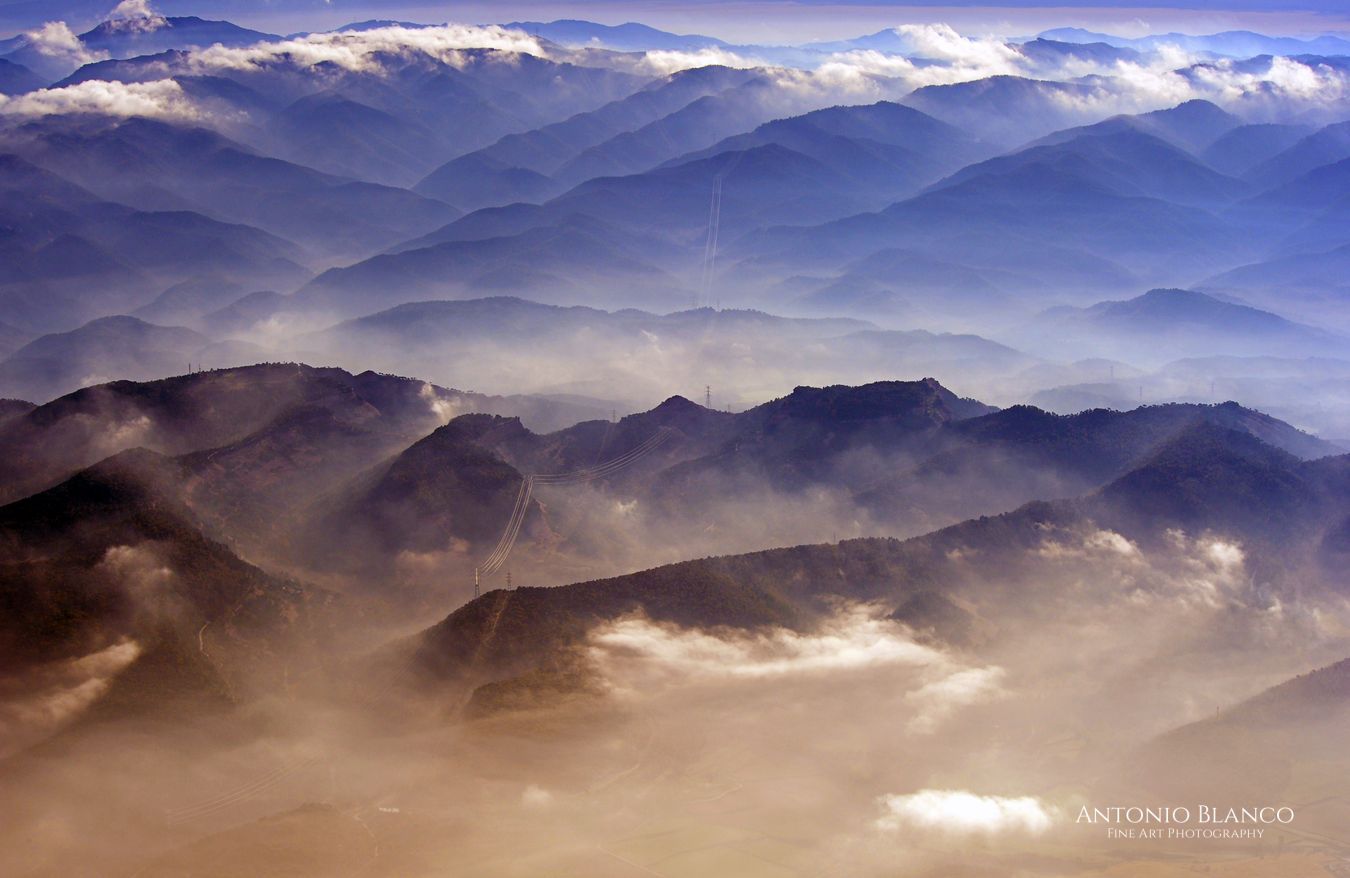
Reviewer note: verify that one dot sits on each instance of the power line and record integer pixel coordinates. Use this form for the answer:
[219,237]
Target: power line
[504,545]
[714,234]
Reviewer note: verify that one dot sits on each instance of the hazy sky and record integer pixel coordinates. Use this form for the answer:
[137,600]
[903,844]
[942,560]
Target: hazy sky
[757,20]
[792,21]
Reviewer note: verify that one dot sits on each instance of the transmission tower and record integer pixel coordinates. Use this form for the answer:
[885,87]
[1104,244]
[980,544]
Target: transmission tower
[707,396]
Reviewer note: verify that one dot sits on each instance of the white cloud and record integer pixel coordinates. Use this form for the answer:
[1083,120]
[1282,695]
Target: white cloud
[368,50]
[638,656]
[151,585]
[444,409]
[57,41]
[950,691]
[940,42]
[935,54]
[854,639]
[161,99]
[666,61]
[1201,573]
[958,812]
[1097,543]
[56,694]
[136,16]
[133,9]
[1170,76]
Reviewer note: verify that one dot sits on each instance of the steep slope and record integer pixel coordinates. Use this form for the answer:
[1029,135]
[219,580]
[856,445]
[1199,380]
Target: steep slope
[906,456]
[822,165]
[581,259]
[1193,126]
[1213,477]
[1305,215]
[990,572]
[1003,110]
[1256,747]
[519,166]
[1020,454]
[153,165]
[109,558]
[335,134]
[852,141]
[215,410]
[1048,223]
[1242,148]
[1322,147]
[1311,282]
[598,491]
[16,79]
[12,338]
[67,238]
[695,126]
[446,492]
[465,101]
[1124,155]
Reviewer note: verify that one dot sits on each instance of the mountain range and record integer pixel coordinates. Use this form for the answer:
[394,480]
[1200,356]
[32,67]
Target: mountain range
[869,451]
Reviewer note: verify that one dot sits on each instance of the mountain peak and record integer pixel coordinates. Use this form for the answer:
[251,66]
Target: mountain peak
[925,401]
[1172,304]
[677,403]
[1215,476]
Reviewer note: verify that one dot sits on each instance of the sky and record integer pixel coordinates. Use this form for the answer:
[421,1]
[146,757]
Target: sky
[761,21]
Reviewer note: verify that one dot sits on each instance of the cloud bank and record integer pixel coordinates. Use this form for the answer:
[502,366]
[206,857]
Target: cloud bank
[640,656]
[157,99]
[370,51]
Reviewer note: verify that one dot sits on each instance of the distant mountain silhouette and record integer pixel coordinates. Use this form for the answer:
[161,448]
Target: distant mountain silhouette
[66,236]
[1237,43]
[16,79]
[1254,746]
[1046,220]
[1322,147]
[156,165]
[1242,148]
[1193,126]
[1052,54]
[519,167]
[1004,110]
[125,347]
[127,38]
[1183,323]
[629,37]
[581,258]
[173,417]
